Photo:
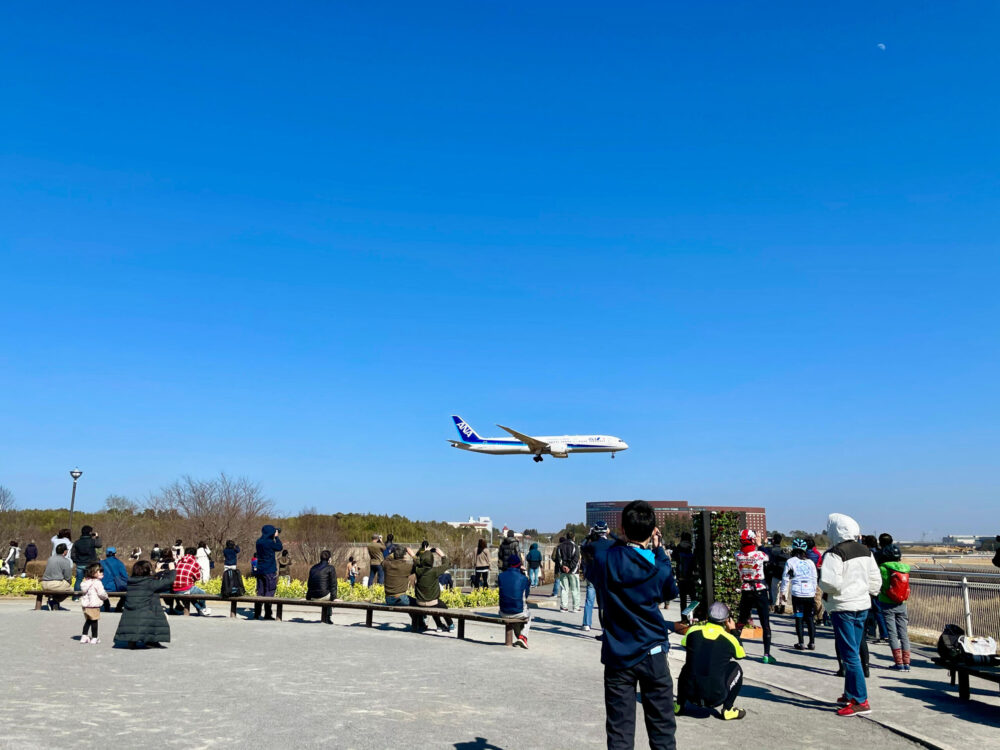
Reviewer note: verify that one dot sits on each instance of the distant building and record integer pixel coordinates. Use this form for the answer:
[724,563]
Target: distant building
[966,540]
[485,523]
[611,513]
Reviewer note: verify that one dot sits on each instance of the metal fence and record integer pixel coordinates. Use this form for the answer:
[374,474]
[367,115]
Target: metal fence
[939,598]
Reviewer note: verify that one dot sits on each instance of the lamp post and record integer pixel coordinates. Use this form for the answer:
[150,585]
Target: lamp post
[76,474]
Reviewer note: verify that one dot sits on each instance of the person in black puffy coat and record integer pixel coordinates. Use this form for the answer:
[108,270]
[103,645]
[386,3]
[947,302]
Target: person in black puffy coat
[143,619]
[323,583]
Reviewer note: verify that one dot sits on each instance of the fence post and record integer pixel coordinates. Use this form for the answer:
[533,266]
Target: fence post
[968,608]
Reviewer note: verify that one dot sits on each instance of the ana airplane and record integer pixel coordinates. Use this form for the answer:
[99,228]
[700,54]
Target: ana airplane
[556,446]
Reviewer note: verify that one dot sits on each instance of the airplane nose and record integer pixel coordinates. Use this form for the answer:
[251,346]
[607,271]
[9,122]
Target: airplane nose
[623,444]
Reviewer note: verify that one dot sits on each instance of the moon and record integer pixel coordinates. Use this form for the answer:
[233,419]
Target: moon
[881,46]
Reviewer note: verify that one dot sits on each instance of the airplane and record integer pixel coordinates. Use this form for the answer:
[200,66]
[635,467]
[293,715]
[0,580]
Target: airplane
[556,446]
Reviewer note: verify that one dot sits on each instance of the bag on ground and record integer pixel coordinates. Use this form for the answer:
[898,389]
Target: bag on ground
[232,584]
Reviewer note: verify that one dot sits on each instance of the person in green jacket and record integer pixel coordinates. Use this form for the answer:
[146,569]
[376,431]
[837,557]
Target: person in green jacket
[894,589]
[428,588]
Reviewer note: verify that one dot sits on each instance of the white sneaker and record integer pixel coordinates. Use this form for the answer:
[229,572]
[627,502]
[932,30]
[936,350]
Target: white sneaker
[94,641]
[586,628]
[206,612]
[84,639]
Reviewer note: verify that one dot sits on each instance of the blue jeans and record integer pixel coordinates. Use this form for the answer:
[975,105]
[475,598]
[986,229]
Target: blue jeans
[80,570]
[533,576]
[199,604]
[377,575]
[588,604]
[849,631]
[555,586]
[875,614]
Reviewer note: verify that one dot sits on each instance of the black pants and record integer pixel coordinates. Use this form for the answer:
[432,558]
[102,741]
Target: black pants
[442,621]
[725,693]
[653,678]
[686,590]
[480,579]
[751,600]
[804,608]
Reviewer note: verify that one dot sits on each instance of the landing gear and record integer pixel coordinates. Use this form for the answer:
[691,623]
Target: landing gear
[612,454]
[537,459]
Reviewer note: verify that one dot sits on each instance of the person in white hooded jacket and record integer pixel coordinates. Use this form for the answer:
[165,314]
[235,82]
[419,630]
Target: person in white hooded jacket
[849,577]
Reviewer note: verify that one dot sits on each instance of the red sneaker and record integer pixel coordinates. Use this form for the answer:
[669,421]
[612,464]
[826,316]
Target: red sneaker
[855,709]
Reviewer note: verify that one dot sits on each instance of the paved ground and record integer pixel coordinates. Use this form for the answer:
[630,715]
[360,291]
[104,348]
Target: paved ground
[303,684]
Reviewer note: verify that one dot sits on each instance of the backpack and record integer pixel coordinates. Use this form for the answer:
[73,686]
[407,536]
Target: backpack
[948,647]
[897,588]
[776,562]
[232,584]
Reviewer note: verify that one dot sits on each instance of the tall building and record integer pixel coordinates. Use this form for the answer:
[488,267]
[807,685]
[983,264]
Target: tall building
[611,513]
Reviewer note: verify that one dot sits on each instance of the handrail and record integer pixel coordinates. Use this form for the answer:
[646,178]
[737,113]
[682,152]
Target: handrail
[958,575]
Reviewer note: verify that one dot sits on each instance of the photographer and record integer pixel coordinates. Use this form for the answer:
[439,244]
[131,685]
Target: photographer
[267,568]
[84,552]
[428,587]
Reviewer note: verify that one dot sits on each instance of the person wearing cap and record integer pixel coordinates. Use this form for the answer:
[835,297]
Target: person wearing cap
[376,554]
[892,597]
[514,587]
[596,546]
[115,577]
[710,676]
[800,577]
[752,564]
[633,577]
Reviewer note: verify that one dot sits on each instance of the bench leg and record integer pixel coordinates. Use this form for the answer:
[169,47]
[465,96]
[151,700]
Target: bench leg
[963,685]
[369,615]
[461,629]
[508,634]
[232,608]
[187,607]
[279,612]
[38,601]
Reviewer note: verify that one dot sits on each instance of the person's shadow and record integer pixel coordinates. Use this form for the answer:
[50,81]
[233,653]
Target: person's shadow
[480,743]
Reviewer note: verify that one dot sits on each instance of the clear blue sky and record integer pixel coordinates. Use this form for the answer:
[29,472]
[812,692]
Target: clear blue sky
[289,243]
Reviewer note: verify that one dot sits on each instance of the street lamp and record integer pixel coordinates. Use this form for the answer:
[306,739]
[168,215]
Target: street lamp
[76,474]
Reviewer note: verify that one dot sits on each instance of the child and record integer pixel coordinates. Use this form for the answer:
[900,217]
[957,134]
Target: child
[352,570]
[800,574]
[893,595]
[632,578]
[93,598]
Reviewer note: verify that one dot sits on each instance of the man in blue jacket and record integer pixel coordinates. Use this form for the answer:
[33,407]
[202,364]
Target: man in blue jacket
[115,577]
[267,568]
[634,577]
[514,587]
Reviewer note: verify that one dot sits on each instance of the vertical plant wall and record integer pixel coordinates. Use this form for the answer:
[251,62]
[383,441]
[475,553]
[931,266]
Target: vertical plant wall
[718,578]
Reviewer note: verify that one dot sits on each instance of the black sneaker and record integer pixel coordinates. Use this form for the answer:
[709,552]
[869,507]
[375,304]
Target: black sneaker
[811,646]
[799,646]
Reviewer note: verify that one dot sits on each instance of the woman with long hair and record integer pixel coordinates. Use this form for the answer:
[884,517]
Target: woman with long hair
[143,620]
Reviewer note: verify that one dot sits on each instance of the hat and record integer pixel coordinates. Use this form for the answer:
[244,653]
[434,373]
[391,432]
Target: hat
[600,528]
[514,561]
[111,550]
[748,536]
[800,544]
[892,553]
[718,613]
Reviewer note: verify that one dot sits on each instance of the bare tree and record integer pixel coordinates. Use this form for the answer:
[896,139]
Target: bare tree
[6,499]
[214,510]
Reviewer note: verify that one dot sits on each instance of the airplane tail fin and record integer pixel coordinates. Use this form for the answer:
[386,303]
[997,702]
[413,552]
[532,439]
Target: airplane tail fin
[465,433]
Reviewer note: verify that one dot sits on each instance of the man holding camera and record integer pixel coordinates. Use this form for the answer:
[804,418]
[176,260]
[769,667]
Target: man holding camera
[376,554]
[267,568]
[84,552]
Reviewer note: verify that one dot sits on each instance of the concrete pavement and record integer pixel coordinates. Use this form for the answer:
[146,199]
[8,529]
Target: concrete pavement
[303,684]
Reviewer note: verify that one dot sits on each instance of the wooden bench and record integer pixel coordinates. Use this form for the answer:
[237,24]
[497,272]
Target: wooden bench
[989,672]
[369,608]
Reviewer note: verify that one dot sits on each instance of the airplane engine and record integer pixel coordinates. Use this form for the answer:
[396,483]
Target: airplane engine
[559,450]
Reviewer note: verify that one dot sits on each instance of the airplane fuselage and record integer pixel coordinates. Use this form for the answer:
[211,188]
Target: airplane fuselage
[557,446]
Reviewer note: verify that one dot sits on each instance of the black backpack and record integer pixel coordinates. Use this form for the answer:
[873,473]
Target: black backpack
[948,647]
[232,584]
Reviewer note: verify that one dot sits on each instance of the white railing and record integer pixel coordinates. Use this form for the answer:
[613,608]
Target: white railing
[939,598]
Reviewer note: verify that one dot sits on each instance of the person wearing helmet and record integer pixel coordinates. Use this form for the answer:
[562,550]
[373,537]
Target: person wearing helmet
[800,577]
[710,676]
[751,563]
[892,597]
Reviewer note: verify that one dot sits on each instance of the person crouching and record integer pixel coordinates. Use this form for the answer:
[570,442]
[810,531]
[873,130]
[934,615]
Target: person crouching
[710,676]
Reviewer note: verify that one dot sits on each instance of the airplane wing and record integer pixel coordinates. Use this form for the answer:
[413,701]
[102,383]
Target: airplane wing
[534,444]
